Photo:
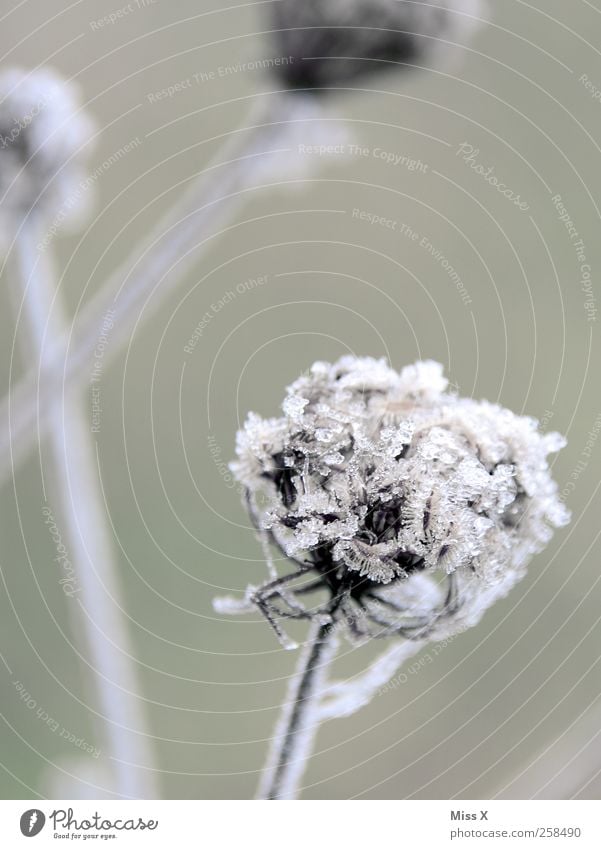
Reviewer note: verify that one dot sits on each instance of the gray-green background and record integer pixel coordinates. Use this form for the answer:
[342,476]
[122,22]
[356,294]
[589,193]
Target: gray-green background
[495,712]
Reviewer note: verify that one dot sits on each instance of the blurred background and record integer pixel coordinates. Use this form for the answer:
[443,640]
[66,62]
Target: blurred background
[491,289]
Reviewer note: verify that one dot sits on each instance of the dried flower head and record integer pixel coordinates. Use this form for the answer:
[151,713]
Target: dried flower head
[42,133]
[413,509]
[331,42]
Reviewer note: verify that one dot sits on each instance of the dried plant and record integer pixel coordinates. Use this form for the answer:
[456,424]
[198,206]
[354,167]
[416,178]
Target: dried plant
[405,511]
[334,42]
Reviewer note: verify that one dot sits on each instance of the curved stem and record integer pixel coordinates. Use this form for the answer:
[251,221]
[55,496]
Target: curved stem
[298,725]
[80,507]
[344,698]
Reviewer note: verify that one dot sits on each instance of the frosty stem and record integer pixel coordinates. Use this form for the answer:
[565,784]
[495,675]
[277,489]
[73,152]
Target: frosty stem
[80,508]
[298,725]
[153,271]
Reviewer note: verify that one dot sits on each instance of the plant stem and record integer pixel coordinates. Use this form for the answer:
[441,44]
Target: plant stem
[298,725]
[153,271]
[82,511]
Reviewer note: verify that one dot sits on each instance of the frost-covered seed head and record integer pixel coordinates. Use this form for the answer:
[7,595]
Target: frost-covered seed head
[331,42]
[393,488]
[42,141]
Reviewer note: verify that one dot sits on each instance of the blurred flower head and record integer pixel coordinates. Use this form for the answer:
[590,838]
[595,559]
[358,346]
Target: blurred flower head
[331,42]
[413,508]
[43,143]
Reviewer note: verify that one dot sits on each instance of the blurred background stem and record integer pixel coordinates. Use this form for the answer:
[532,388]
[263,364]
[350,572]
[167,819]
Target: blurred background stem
[74,485]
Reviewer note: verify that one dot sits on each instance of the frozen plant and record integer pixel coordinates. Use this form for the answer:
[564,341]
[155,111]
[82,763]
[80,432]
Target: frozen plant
[331,42]
[404,509]
[44,141]
[372,477]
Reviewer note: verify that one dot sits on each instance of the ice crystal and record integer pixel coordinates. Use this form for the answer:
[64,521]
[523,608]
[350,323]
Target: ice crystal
[331,42]
[42,136]
[412,508]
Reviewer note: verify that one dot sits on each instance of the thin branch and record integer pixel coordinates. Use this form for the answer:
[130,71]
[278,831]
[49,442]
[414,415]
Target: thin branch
[344,698]
[297,728]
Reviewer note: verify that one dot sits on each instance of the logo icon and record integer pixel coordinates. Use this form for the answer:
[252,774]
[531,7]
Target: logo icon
[32,822]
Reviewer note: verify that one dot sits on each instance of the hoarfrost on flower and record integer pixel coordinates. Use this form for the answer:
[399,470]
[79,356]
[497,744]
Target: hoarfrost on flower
[414,508]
